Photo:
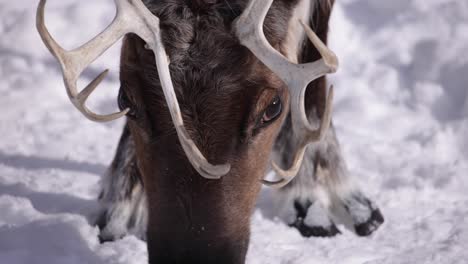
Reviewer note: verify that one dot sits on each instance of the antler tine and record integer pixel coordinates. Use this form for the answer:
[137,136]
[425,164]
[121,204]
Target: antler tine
[74,62]
[199,162]
[329,58]
[288,175]
[80,102]
[153,40]
[249,29]
[132,16]
[304,140]
[196,158]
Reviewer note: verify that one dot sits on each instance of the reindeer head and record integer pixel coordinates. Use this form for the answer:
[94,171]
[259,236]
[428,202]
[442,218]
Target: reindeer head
[205,92]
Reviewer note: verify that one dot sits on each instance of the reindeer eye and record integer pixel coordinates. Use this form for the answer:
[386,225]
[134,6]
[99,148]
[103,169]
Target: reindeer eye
[273,111]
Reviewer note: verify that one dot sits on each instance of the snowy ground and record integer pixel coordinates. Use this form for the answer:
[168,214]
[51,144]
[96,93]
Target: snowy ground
[401,114]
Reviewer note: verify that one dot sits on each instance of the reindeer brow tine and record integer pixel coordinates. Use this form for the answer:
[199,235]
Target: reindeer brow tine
[287,175]
[80,101]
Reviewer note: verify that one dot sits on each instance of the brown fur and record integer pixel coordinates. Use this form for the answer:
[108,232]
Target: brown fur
[222,90]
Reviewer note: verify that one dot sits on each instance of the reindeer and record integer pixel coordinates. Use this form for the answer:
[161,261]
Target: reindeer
[212,90]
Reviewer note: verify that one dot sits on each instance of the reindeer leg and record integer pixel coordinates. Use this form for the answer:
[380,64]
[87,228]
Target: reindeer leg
[323,181]
[122,199]
[323,191]
[304,203]
[353,206]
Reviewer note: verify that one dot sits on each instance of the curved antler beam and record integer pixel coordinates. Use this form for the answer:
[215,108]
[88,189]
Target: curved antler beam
[288,175]
[132,17]
[249,29]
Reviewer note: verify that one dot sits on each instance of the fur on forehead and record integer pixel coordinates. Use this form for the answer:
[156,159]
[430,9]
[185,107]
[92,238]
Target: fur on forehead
[203,49]
[191,26]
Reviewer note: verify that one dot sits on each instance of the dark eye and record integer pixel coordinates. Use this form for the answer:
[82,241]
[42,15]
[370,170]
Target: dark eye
[273,111]
[125,103]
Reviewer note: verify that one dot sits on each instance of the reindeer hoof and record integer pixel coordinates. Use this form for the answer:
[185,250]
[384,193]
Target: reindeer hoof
[312,220]
[372,224]
[316,231]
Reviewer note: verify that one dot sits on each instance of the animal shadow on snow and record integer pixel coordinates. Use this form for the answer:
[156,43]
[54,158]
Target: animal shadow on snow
[64,241]
[45,202]
[54,241]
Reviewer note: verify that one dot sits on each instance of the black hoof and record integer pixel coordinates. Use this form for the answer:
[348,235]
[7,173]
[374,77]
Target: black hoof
[101,223]
[311,231]
[103,239]
[316,231]
[372,224]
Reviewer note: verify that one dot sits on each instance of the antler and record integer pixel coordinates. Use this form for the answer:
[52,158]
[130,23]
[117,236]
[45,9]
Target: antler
[249,29]
[132,16]
[317,135]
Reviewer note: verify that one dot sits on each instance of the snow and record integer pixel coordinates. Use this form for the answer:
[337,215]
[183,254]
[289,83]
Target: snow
[401,113]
